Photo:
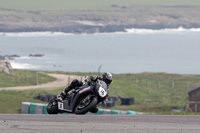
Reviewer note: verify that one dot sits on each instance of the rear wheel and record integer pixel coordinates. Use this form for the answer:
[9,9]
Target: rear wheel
[52,107]
[86,105]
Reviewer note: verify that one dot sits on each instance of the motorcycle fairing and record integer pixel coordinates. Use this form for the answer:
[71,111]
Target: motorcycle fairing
[102,92]
[70,104]
[84,90]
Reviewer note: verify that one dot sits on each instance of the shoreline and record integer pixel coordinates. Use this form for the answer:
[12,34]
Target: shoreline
[140,61]
[126,31]
[91,29]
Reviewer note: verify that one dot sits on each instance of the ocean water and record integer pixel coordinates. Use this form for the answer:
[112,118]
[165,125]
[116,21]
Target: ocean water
[134,51]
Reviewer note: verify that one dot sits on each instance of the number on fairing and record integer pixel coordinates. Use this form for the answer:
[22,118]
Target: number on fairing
[102,92]
[60,106]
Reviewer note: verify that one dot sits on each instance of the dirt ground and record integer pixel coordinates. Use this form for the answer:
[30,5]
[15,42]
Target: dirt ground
[62,80]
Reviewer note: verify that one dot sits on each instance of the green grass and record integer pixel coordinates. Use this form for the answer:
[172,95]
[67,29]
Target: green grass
[35,92]
[11,100]
[89,4]
[155,93]
[66,13]
[11,103]
[186,113]
[24,78]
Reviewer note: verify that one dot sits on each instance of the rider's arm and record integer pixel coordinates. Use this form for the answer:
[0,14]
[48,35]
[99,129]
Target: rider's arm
[95,78]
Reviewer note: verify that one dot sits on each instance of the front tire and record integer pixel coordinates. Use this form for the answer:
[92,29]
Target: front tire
[81,109]
[52,107]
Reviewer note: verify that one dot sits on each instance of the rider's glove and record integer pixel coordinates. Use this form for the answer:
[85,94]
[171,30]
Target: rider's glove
[94,78]
[87,78]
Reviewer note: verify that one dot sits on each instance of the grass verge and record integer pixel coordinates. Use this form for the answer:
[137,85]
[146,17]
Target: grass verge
[153,92]
[24,77]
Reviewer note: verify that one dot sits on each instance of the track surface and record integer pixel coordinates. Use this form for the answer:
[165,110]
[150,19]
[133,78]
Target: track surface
[99,124]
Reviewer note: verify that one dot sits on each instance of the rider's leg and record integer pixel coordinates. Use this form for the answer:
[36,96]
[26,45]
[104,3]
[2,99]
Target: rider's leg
[74,83]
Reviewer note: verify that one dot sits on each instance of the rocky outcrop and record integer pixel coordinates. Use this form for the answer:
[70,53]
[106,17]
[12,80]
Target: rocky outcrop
[9,57]
[6,67]
[36,55]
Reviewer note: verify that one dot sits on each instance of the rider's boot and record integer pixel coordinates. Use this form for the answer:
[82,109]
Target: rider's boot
[75,83]
[94,110]
[64,94]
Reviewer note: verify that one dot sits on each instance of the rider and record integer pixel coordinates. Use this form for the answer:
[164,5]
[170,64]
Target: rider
[106,77]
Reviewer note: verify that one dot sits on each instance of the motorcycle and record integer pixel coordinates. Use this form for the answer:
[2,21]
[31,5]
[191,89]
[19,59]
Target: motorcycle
[81,100]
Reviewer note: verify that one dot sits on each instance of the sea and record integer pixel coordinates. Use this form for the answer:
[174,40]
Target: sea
[133,51]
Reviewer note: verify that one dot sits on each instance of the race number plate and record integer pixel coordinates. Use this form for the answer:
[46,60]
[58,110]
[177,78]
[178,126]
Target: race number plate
[60,106]
[102,92]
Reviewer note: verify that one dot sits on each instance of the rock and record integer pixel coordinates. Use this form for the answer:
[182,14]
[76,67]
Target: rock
[36,55]
[6,67]
[10,57]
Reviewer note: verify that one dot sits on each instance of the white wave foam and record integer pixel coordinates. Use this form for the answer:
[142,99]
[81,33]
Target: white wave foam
[25,58]
[161,31]
[33,34]
[28,57]
[127,31]
[22,58]
[23,65]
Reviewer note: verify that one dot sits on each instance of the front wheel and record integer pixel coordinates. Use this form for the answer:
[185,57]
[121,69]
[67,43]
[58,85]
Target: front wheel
[86,105]
[52,107]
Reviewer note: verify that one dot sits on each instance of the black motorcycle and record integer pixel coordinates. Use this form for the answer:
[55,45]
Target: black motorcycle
[81,100]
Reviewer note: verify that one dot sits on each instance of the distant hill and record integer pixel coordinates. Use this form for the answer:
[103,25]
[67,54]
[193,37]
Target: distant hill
[89,16]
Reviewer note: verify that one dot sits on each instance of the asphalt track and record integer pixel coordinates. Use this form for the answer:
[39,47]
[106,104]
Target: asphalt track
[20,123]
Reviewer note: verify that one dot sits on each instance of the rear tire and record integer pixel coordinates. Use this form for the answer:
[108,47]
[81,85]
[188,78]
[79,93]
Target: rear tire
[86,109]
[52,107]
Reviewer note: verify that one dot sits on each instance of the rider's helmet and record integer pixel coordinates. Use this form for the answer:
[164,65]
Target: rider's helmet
[107,77]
